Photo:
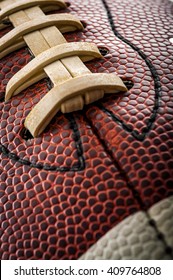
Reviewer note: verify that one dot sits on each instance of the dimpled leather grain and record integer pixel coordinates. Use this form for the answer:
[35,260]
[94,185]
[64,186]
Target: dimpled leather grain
[134,238]
[89,170]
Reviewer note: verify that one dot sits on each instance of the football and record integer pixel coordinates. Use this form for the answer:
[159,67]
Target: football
[86,138]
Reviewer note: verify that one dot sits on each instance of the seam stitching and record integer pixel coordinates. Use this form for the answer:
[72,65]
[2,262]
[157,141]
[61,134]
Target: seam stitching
[160,235]
[123,174]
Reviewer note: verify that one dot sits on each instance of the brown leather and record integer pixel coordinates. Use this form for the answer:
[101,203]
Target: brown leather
[89,170]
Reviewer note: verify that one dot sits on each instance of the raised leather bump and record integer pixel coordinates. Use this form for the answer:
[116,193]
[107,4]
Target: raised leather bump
[24,4]
[48,106]
[64,22]
[86,51]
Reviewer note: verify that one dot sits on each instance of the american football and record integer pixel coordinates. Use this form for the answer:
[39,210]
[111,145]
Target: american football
[86,138]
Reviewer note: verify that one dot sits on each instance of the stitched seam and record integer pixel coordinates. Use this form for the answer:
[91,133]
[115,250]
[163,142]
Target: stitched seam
[76,136]
[123,174]
[159,234]
[136,194]
[157,85]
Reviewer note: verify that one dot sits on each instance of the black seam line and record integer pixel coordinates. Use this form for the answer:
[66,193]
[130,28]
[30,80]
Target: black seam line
[76,136]
[159,234]
[123,174]
[157,85]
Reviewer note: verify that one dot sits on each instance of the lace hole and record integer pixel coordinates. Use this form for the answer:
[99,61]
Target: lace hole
[68,4]
[25,134]
[128,84]
[103,50]
[84,23]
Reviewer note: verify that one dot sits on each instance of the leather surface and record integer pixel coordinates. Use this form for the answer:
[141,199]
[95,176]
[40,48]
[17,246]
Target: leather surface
[162,214]
[136,237]
[90,170]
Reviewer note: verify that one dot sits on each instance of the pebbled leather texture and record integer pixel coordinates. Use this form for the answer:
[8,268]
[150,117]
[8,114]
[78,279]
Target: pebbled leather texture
[90,170]
[136,237]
